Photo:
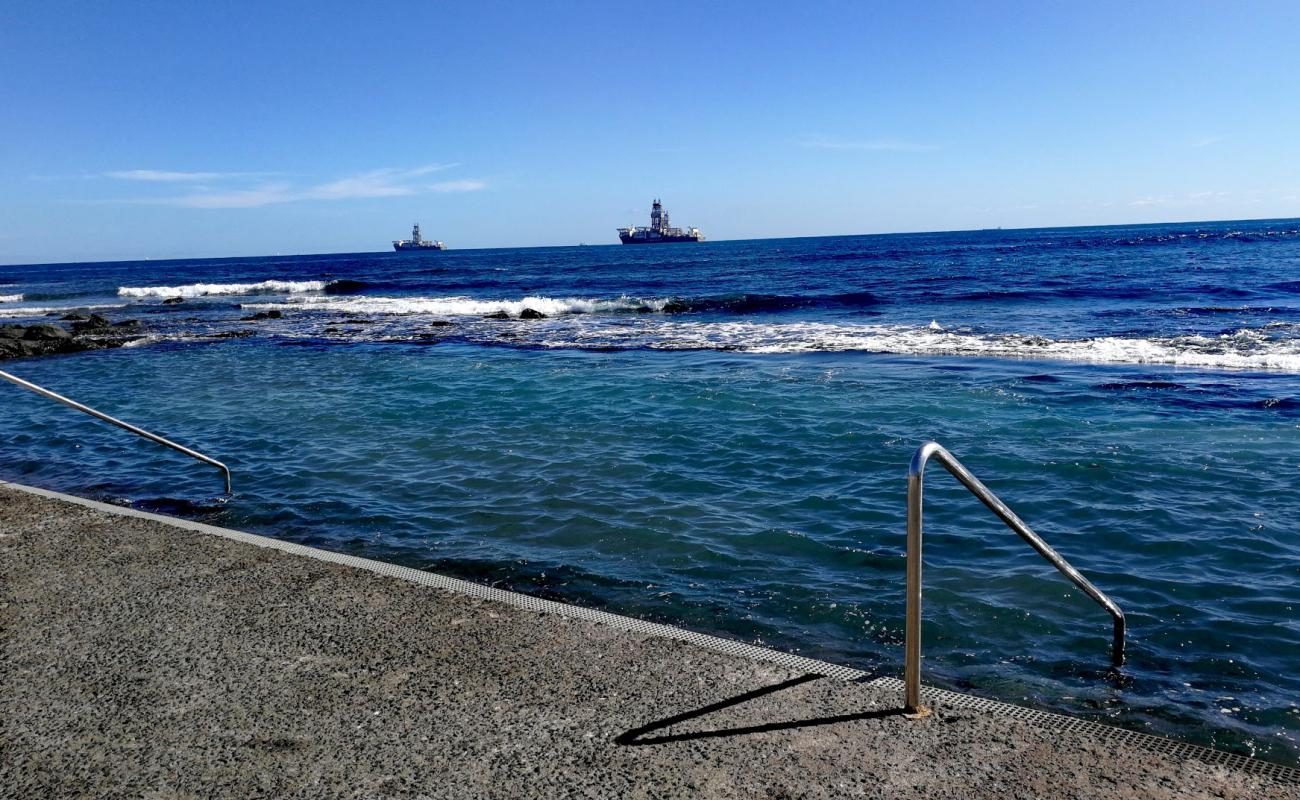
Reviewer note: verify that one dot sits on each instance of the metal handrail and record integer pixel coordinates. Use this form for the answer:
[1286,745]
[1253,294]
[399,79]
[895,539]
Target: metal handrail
[153,437]
[912,640]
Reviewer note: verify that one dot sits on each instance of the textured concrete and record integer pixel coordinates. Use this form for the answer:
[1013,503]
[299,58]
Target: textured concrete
[144,660]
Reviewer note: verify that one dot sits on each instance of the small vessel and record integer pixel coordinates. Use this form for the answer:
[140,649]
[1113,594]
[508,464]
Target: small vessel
[416,243]
[659,232]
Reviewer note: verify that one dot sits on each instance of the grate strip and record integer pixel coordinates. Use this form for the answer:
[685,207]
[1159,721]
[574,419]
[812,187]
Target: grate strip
[1136,739]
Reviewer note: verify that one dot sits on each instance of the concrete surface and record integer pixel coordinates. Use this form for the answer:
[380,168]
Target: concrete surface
[140,659]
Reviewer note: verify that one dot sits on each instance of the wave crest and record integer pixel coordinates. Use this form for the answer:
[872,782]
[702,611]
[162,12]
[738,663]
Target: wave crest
[42,311]
[468,306]
[206,289]
[1244,349]
[11,298]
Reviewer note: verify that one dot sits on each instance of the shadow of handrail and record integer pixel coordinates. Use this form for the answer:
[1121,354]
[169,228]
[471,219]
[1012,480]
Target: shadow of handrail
[633,738]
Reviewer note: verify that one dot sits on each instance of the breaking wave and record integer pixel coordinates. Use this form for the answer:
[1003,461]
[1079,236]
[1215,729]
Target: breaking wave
[207,289]
[1244,349]
[11,298]
[467,306]
[760,303]
[556,306]
[41,311]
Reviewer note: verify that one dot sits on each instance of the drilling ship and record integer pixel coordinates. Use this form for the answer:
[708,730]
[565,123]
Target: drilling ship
[416,243]
[659,231]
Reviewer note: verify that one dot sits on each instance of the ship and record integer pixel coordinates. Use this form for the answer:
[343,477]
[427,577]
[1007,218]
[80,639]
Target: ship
[659,232]
[416,243]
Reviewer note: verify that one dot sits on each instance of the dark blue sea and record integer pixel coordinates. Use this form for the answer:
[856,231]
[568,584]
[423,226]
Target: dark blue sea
[717,436]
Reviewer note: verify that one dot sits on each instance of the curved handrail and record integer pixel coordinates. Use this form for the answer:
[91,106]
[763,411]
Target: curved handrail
[153,437]
[912,639]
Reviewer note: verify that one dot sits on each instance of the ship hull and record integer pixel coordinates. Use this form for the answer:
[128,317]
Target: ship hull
[659,239]
[403,248]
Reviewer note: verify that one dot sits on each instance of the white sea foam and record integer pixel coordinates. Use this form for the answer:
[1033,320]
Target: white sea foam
[11,298]
[465,306]
[40,311]
[205,289]
[1244,349]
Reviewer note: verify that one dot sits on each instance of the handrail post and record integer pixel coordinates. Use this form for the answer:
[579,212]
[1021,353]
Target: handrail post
[913,706]
[153,437]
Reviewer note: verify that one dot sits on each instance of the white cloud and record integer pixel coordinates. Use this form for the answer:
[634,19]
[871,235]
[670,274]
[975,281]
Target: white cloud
[387,182]
[457,186]
[877,145]
[171,176]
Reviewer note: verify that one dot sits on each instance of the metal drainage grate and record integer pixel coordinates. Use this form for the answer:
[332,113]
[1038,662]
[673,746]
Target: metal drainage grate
[1136,739]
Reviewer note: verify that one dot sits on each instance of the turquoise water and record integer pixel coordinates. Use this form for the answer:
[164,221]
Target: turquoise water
[752,491]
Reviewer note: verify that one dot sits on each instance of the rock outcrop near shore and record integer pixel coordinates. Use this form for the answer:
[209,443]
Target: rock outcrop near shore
[87,332]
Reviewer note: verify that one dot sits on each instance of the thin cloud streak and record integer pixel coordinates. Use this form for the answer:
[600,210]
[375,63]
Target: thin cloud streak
[388,182]
[873,145]
[172,176]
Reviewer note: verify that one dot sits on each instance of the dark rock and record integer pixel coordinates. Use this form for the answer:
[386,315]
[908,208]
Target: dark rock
[358,322]
[131,324]
[529,313]
[441,323]
[171,301]
[45,339]
[497,315]
[46,332]
[239,334]
[344,286]
[74,317]
[262,315]
[92,323]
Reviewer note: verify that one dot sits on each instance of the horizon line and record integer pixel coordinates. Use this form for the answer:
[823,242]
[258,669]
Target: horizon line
[705,243]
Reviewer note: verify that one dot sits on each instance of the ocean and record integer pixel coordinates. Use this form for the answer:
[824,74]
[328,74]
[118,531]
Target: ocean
[717,436]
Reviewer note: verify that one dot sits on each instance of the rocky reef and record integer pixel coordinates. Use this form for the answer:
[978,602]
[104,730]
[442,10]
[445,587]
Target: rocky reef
[86,332]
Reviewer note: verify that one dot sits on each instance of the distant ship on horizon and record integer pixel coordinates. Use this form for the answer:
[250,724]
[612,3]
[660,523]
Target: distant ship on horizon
[416,243]
[659,232]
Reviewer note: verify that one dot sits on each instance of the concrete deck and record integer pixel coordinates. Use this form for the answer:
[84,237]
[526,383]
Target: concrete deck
[143,657]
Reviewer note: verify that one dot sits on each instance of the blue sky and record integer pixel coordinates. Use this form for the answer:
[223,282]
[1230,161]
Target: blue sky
[132,130]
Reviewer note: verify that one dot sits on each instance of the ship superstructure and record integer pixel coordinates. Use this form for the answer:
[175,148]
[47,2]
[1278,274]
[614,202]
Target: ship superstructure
[660,230]
[416,243]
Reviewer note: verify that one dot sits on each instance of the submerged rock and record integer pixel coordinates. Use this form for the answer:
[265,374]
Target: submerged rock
[272,314]
[171,301]
[441,323]
[497,315]
[530,313]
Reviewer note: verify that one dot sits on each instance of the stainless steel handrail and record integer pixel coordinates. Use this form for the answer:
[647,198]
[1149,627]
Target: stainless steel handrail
[153,437]
[912,640]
